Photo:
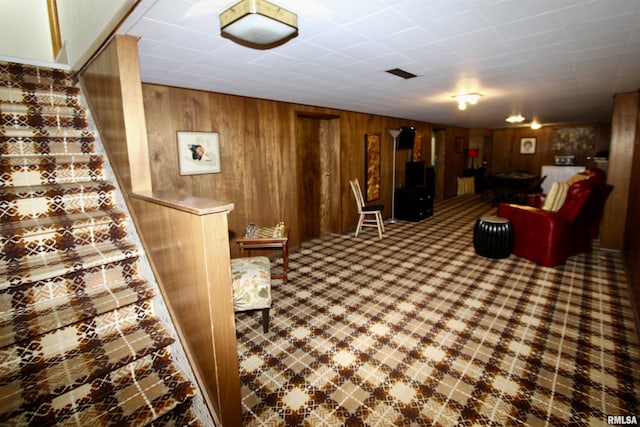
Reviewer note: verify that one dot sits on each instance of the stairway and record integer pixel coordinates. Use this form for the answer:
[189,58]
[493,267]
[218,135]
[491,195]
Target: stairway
[79,341]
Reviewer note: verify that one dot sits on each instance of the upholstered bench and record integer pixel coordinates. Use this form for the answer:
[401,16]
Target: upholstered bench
[251,285]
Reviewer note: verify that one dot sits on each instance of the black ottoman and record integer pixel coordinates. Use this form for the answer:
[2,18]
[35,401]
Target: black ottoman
[493,237]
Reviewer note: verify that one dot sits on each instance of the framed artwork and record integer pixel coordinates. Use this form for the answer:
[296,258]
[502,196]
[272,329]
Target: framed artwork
[198,152]
[372,166]
[527,145]
[459,144]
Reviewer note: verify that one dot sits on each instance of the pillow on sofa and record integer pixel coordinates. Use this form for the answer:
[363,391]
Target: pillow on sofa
[577,178]
[556,197]
[466,185]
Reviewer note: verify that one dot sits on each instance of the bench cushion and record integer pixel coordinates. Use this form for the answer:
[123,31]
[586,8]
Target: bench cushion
[251,283]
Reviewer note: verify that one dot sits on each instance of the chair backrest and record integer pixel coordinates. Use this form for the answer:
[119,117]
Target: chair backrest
[357,193]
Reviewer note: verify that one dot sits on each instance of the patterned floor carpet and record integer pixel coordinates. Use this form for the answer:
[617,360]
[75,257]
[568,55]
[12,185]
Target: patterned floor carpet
[416,329]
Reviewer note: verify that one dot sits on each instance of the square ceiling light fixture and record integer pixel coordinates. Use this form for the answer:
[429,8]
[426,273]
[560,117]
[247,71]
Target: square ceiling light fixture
[258,24]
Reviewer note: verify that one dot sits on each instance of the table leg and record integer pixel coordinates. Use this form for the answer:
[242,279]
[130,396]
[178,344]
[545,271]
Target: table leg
[285,261]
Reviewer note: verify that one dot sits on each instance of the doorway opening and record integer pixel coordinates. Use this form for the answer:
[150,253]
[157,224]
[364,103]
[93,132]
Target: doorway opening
[438,150]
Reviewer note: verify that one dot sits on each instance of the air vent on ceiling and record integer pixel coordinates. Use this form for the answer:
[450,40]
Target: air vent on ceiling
[401,73]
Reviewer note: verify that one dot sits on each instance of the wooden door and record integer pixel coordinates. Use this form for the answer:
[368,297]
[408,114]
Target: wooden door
[441,150]
[317,139]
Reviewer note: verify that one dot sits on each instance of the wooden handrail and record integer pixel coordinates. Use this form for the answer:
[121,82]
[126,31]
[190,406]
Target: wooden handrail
[54,27]
[186,203]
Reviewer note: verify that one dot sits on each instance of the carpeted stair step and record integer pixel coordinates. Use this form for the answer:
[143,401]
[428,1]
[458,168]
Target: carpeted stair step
[36,309]
[59,263]
[37,94]
[40,121]
[40,201]
[21,171]
[75,286]
[111,340]
[180,416]
[46,145]
[133,395]
[15,73]
[46,131]
[33,237]
[115,345]
[33,110]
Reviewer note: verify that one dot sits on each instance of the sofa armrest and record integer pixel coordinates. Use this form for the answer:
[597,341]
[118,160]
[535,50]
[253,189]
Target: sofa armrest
[533,216]
[538,235]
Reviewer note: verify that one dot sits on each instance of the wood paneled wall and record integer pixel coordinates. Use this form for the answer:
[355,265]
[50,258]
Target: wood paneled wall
[261,159]
[457,143]
[506,148]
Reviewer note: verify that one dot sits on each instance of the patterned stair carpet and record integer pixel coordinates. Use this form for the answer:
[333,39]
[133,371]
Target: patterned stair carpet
[79,341]
[416,329]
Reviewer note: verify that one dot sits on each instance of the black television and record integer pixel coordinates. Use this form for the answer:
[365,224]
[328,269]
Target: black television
[414,174]
[406,138]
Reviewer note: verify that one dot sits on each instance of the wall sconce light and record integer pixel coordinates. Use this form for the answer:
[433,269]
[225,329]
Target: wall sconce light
[515,118]
[535,125]
[258,24]
[466,98]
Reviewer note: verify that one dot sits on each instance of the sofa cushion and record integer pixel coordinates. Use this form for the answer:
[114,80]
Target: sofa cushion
[466,185]
[577,178]
[556,197]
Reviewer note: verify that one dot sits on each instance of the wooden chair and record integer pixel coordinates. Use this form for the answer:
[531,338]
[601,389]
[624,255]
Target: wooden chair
[364,210]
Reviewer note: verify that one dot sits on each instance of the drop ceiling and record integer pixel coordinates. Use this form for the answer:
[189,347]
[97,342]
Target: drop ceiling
[555,61]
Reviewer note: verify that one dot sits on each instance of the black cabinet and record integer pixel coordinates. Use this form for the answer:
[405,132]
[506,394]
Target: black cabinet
[414,204]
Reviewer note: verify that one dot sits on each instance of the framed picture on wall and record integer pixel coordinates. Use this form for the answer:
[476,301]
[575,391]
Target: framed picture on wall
[459,144]
[198,152]
[527,145]
[372,166]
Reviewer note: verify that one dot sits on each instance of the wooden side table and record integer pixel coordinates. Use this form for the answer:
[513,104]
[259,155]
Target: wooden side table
[268,238]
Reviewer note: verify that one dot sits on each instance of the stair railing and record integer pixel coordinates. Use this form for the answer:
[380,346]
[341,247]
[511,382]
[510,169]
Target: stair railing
[185,238]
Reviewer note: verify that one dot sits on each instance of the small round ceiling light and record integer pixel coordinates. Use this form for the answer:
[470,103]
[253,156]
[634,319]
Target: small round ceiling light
[515,118]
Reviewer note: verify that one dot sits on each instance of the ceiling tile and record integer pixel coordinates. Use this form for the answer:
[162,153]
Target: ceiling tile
[557,58]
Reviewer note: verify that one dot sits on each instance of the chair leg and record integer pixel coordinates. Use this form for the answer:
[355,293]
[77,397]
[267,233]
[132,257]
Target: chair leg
[265,320]
[360,222]
[380,226]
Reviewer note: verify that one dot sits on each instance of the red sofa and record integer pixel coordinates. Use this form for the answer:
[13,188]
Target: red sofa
[548,238]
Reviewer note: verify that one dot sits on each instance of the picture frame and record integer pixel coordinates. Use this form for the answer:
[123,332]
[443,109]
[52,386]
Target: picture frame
[528,145]
[372,166]
[459,144]
[198,152]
